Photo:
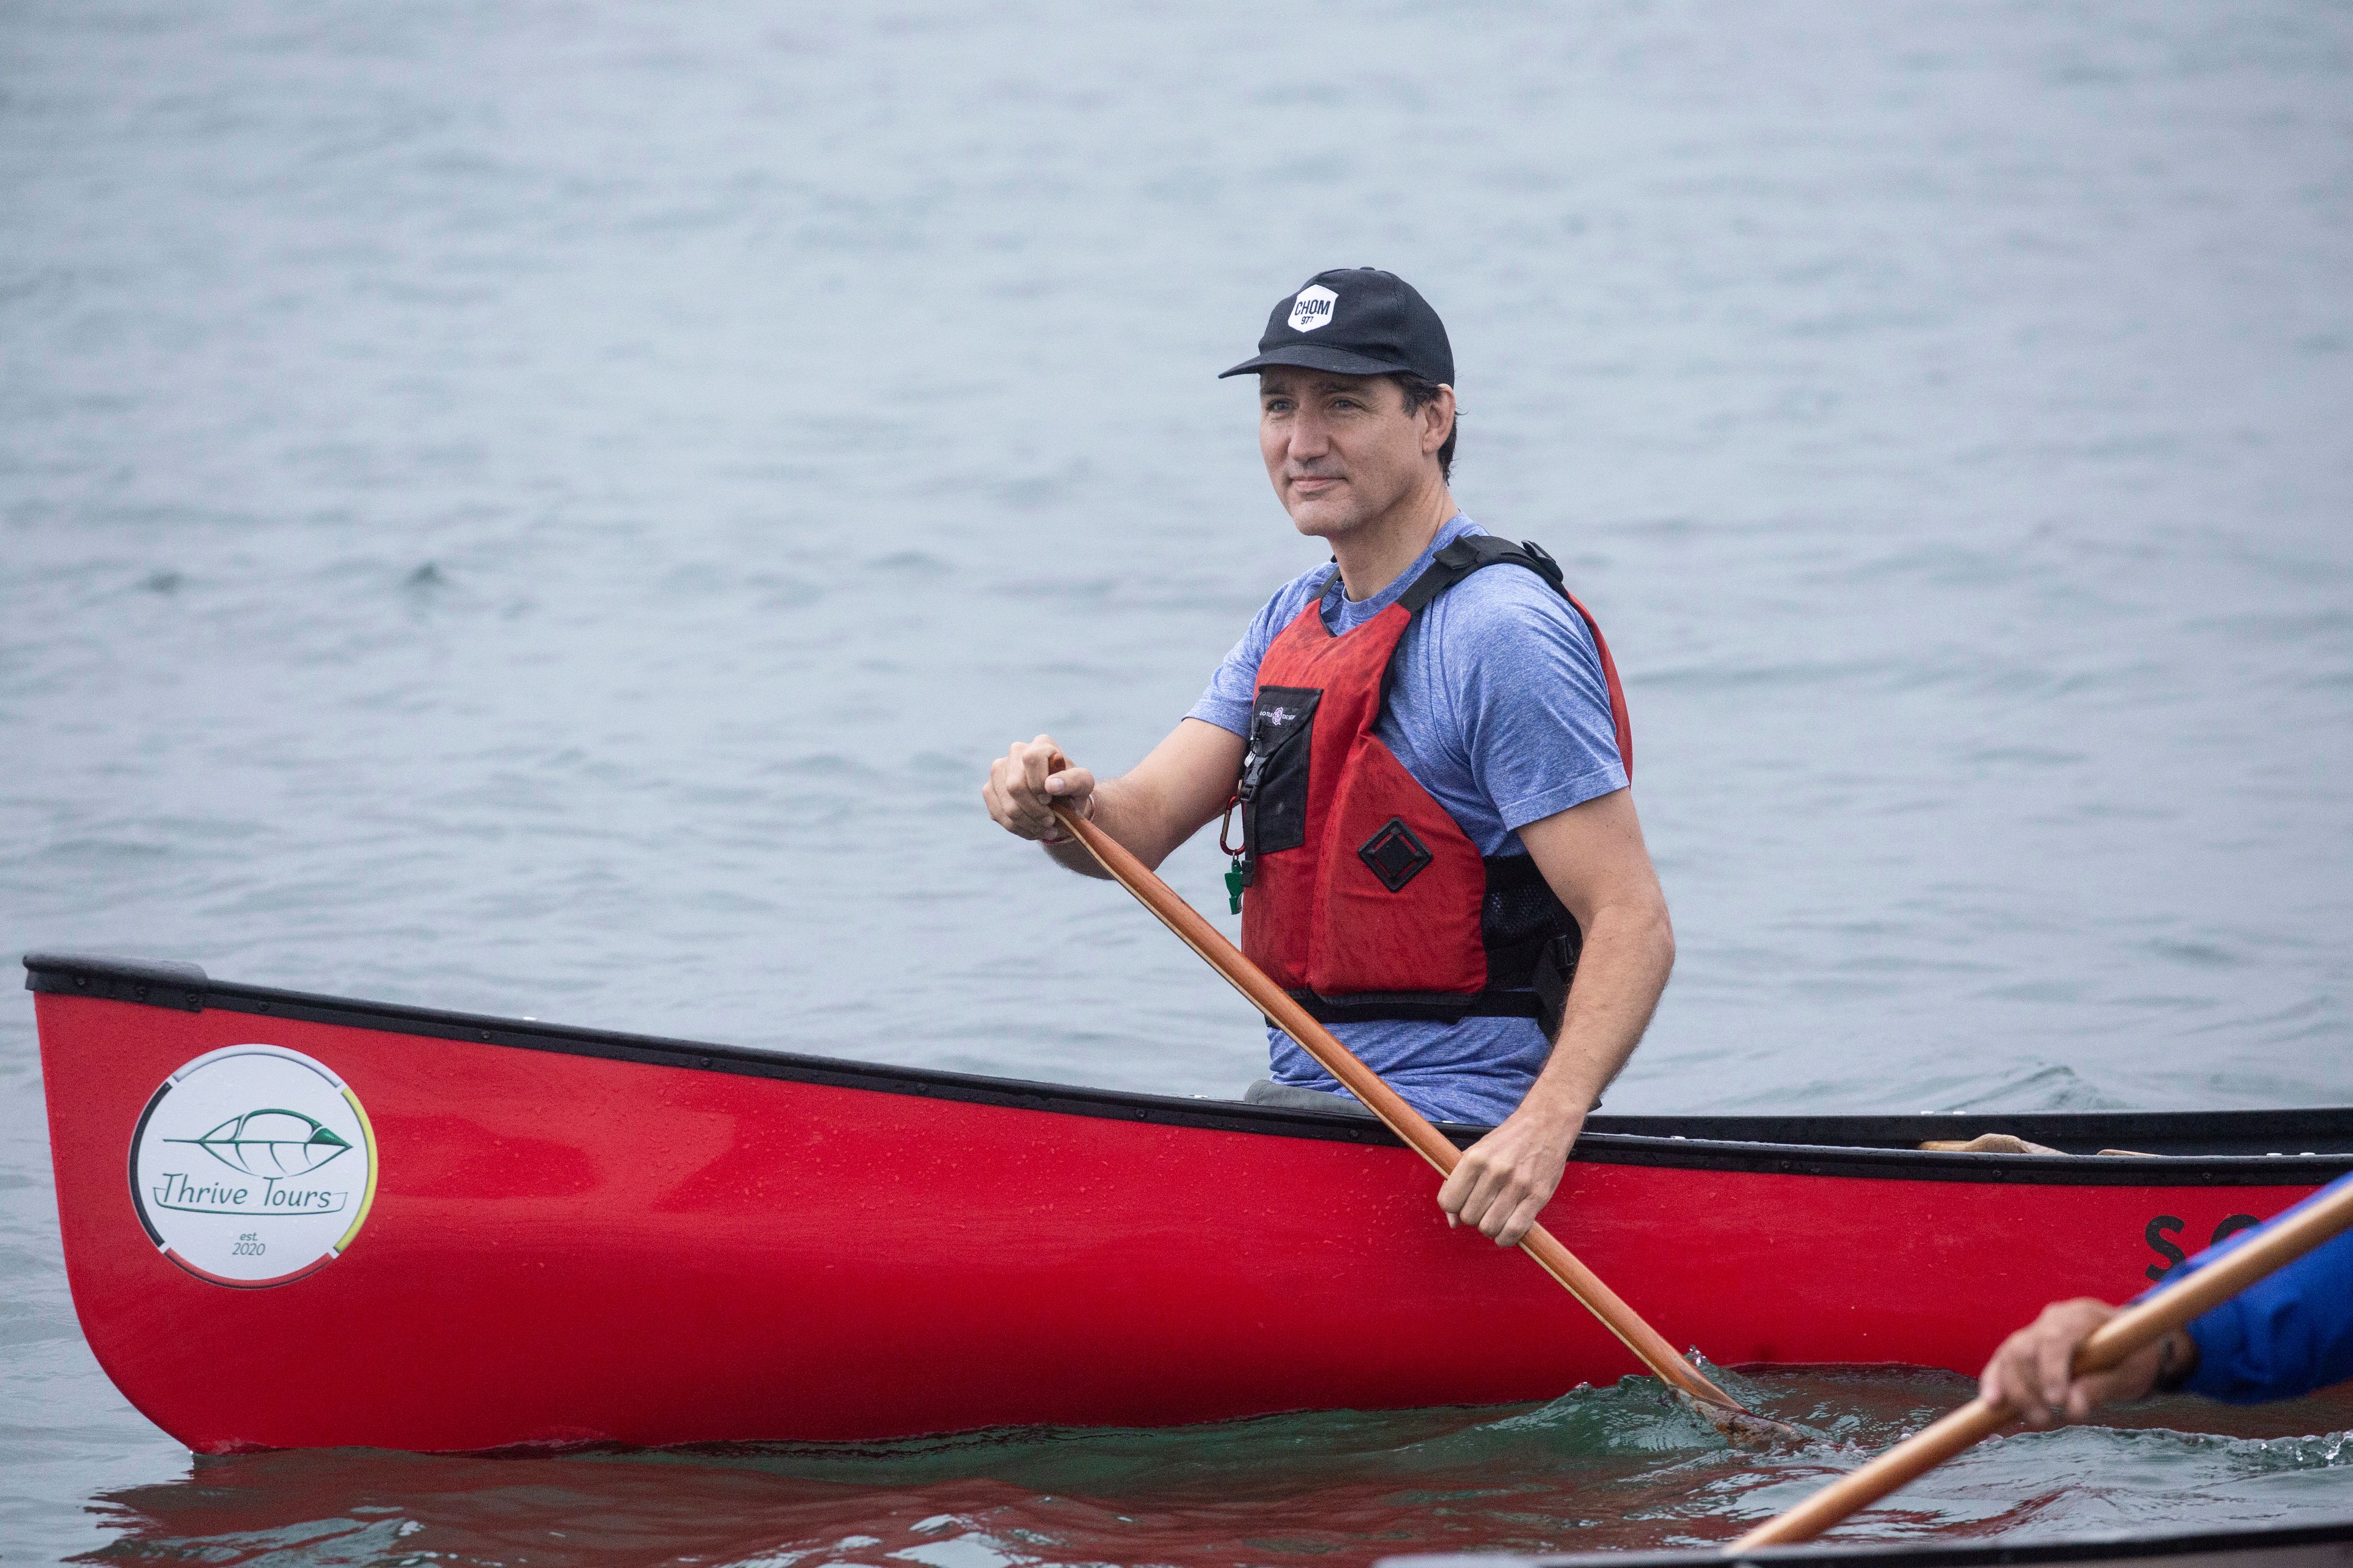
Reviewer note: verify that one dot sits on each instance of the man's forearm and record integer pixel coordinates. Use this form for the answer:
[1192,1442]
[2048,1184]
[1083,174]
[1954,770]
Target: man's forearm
[1621,975]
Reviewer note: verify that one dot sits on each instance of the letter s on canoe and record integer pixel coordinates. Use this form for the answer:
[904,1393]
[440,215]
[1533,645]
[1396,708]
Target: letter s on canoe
[2155,1237]
[2165,1224]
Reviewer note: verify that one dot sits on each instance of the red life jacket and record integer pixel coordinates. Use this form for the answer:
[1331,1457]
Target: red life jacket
[1366,898]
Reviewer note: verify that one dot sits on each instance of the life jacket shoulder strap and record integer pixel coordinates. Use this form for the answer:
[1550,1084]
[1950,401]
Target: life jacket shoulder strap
[1473,552]
[1476,551]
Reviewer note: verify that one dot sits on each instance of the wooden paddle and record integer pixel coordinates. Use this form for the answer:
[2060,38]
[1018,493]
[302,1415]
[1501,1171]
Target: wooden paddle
[2111,1342]
[1726,1413]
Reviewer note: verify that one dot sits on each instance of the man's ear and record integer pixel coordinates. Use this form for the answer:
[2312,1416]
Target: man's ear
[1437,421]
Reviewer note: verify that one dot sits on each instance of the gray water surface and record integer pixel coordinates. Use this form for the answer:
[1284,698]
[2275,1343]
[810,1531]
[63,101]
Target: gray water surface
[549,509]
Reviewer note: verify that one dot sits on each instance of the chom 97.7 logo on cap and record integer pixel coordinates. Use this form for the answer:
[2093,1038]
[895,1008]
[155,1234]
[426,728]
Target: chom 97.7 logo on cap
[1313,308]
[253,1165]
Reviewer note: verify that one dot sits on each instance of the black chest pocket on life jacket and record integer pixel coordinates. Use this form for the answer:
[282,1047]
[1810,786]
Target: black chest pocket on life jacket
[1274,769]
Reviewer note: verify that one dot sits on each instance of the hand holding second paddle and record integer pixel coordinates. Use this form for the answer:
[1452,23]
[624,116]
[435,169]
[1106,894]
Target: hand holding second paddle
[1505,1178]
[2029,1372]
[1027,782]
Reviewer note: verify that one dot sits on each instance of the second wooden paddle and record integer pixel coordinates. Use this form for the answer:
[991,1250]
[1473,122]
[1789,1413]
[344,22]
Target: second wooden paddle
[1409,1124]
[2282,1243]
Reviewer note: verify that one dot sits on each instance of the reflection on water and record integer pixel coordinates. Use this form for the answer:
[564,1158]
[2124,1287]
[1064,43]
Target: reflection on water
[1624,1466]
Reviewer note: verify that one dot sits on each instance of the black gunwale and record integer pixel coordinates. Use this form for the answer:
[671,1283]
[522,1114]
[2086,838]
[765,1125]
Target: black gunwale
[1878,1147]
[2151,1546]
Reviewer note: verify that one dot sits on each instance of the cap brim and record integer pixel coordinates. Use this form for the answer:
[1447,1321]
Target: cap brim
[1315,356]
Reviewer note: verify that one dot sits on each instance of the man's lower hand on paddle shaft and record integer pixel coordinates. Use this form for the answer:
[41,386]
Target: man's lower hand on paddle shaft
[1506,1178]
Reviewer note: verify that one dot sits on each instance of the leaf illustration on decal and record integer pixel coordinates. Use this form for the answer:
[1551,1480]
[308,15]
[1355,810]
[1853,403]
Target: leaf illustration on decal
[271,1143]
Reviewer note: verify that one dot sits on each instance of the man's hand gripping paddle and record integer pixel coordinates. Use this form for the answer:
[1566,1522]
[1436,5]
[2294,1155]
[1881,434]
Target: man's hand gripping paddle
[1724,1413]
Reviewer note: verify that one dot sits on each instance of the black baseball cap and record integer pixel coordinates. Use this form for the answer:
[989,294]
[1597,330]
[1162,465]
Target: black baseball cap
[1354,321]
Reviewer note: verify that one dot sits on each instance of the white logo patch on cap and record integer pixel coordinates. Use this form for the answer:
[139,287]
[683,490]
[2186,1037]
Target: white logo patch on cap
[1312,308]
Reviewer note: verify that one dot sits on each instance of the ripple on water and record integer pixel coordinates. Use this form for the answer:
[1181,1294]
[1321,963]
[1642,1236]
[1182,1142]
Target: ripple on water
[1627,1466]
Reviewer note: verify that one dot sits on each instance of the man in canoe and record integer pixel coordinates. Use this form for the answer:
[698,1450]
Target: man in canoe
[1428,751]
[2288,1333]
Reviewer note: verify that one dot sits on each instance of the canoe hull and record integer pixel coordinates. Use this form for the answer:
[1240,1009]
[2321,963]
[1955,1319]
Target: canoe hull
[2329,1545]
[572,1240]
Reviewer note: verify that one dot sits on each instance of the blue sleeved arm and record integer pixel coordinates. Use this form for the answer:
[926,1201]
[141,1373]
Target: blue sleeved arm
[1534,706]
[2287,1333]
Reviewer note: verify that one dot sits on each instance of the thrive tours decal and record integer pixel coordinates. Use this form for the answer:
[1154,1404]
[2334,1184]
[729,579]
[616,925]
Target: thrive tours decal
[253,1165]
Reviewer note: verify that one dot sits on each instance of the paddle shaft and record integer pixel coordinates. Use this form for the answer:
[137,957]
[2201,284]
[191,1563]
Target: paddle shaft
[2104,1347]
[1383,1101]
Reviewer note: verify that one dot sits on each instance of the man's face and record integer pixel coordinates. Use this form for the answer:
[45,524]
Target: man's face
[1341,449]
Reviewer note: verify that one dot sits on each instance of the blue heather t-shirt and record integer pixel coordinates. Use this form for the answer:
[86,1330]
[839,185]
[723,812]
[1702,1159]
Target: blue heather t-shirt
[1499,708]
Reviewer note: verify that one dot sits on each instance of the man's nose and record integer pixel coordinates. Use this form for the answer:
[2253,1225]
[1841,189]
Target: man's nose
[1309,438]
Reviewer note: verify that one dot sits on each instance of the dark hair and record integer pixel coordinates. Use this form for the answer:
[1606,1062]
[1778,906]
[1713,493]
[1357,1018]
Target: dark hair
[1419,391]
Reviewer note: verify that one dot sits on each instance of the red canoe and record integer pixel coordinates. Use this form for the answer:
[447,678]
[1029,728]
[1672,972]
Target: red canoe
[293,1220]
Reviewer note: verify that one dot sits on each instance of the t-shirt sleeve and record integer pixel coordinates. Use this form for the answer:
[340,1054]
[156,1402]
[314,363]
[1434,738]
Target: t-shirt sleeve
[1226,702]
[1536,718]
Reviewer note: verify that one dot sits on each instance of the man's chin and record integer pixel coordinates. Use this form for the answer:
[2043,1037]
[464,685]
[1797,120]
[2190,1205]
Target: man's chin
[1325,517]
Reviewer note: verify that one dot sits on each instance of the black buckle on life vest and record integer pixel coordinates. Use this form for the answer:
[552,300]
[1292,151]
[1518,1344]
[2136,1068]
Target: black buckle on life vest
[1394,855]
[1547,567]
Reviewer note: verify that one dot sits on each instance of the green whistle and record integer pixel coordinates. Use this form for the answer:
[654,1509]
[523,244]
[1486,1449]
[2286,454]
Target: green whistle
[1234,887]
